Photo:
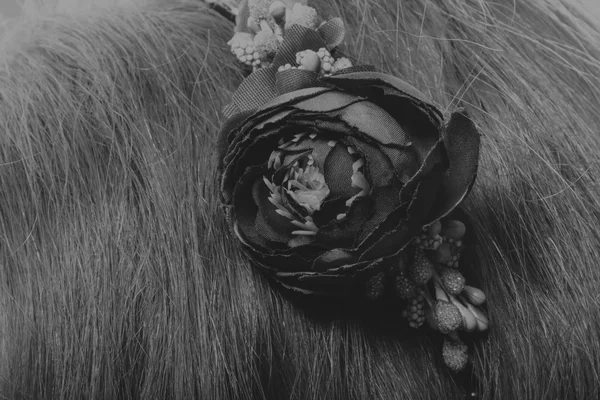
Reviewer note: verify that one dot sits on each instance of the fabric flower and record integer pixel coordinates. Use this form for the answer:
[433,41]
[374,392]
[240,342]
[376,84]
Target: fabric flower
[327,179]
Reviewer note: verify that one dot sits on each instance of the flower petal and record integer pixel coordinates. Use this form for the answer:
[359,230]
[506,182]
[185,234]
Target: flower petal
[252,148]
[313,283]
[273,261]
[462,141]
[248,152]
[338,172]
[422,128]
[253,125]
[418,117]
[333,258]
[404,161]
[268,119]
[268,229]
[389,242]
[355,80]
[340,282]
[295,96]
[385,200]
[432,171]
[380,170]
[230,125]
[435,157]
[243,210]
[269,223]
[291,80]
[327,102]
[330,209]
[342,233]
[374,122]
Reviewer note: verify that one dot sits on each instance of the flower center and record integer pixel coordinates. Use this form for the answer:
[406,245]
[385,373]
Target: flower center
[299,189]
[307,187]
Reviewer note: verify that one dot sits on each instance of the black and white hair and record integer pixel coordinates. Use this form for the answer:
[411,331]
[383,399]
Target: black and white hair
[119,279]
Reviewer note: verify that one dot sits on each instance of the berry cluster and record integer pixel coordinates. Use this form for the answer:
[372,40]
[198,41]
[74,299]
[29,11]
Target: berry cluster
[303,15]
[414,311]
[432,289]
[257,39]
[319,61]
[242,45]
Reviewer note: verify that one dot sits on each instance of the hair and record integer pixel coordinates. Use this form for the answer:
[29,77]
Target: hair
[119,278]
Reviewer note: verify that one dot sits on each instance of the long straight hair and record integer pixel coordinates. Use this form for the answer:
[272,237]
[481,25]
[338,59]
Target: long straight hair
[118,278]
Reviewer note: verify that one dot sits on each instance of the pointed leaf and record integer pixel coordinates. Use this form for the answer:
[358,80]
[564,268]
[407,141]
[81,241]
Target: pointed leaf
[333,32]
[254,91]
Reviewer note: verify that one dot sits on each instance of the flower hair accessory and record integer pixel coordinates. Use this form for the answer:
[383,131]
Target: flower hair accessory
[342,181]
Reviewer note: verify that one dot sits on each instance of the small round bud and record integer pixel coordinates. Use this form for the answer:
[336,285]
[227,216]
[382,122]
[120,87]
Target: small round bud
[310,61]
[253,25]
[453,280]
[434,229]
[266,43]
[303,15]
[405,288]
[414,312]
[340,64]
[454,229]
[455,355]
[474,295]
[277,11]
[442,254]
[421,270]
[374,286]
[447,316]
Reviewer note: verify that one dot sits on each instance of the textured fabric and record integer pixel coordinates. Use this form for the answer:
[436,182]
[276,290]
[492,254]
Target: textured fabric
[297,38]
[295,79]
[332,32]
[257,89]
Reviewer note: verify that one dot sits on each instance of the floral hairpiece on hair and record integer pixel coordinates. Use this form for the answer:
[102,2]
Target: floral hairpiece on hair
[340,180]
